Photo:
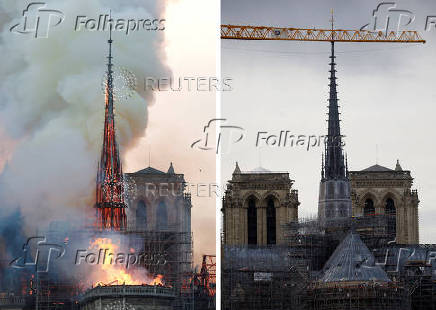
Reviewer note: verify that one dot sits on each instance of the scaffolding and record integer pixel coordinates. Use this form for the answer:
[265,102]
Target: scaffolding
[310,240]
[259,278]
[356,296]
[171,252]
[414,266]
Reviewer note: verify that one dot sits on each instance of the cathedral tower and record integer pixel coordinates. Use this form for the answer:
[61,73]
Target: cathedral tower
[256,205]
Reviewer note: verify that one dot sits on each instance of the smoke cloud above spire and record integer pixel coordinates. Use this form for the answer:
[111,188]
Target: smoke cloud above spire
[52,105]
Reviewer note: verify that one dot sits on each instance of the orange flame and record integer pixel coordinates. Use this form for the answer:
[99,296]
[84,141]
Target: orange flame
[109,273]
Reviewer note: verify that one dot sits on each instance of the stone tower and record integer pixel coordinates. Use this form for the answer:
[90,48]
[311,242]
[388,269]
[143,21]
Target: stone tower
[256,205]
[334,190]
[158,201]
[378,190]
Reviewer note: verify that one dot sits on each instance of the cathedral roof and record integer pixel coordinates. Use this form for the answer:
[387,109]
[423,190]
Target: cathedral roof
[150,170]
[377,168]
[260,170]
[352,261]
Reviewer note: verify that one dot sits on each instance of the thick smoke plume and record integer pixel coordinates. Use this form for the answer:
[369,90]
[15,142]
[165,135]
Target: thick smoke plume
[52,105]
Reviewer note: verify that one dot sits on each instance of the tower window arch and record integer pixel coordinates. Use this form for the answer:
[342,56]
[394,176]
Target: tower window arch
[252,221]
[390,207]
[369,209]
[141,215]
[270,222]
[392,222]
[162,216]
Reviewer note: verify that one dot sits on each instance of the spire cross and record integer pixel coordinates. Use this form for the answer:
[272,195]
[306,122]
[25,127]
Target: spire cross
[332,20]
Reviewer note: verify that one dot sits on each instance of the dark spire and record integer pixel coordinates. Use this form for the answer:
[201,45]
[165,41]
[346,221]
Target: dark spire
[334,159]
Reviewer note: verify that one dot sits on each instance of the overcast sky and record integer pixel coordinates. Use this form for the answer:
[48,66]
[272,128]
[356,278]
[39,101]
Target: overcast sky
[386,94]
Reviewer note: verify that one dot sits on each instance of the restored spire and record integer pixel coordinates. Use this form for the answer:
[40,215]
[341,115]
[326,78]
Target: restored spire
[110,183]
[335,189]
[334,158]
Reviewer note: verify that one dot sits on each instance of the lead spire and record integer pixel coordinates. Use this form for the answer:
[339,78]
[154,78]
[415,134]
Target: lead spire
[334,166]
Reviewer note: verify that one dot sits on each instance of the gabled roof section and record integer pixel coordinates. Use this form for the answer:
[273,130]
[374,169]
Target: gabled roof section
[150,170]
[352,261]
[260,170]
[377,168]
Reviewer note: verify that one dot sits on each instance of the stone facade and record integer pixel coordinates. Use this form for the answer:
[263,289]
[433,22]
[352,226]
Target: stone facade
[380,190]
[256,205]
[157,201]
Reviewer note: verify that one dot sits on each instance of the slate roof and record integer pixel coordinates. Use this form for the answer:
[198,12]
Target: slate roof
[352,261]
[266,259]
[377,168]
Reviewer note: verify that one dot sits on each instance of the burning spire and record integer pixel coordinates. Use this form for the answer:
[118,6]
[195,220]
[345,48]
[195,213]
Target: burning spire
[110,203]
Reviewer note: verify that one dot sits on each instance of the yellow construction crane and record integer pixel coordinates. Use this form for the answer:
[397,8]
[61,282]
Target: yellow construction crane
[330,35]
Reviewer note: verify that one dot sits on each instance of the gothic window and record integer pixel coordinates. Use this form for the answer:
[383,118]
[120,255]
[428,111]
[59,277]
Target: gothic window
[162,216]
[390,207]
[270,222]
[390,210]
[368,209]
[141,215]
[252,221]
